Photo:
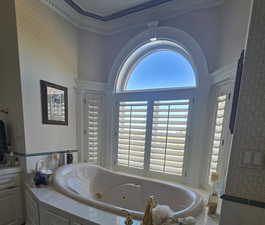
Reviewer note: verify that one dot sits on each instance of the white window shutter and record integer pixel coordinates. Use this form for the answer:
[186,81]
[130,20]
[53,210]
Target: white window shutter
[94,126]
[131,134]
[217,141]
[169,132]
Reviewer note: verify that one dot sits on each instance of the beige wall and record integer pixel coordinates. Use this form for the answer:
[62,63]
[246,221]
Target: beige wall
[202,25]
[10,89]
[48,51]
[220,31]
[92,54]
[234,17]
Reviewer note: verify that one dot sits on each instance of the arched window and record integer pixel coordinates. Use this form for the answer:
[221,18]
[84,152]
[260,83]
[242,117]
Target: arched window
[161,69]
[155,89]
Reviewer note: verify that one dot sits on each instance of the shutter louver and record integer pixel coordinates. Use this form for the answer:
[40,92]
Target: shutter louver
[93,132]
[217,137]
[132,129]
[169,131]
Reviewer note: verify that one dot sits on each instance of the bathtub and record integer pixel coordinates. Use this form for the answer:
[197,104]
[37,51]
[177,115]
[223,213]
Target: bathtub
[116,192]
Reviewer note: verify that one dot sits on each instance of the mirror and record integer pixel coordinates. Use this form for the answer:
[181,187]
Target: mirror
[54,103]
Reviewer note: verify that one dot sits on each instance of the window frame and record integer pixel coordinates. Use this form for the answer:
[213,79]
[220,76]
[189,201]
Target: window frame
[150,96]
[151,52]
[146,49]
[184,41]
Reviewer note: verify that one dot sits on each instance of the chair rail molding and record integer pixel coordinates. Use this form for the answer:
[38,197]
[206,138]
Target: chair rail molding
[163,11]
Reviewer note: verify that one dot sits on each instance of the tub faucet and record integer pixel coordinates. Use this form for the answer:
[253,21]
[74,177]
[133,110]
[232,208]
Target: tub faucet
[129,219]
[147,220]
[151,204]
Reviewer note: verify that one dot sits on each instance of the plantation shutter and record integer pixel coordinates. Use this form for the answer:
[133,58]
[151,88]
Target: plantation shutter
[217,141]
[94,121]
[169,132]
[131,134]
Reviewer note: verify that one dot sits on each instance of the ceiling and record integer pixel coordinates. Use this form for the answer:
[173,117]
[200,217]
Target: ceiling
[112,16]
[108,7]
[106,10]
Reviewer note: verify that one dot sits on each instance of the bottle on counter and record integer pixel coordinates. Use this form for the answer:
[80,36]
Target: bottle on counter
[213,198]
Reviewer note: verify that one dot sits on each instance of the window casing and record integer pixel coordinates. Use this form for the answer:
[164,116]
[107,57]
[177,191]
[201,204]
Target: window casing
[121,71]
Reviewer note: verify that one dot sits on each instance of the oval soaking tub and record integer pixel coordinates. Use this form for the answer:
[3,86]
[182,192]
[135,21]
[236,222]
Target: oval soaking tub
[115,192]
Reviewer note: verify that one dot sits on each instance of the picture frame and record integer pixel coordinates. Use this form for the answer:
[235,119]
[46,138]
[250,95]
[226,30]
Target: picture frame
[54,103]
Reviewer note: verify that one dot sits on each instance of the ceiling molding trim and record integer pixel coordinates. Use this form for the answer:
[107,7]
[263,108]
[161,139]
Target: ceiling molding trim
[159,13]
[118,14]
[225,73]
[90,85]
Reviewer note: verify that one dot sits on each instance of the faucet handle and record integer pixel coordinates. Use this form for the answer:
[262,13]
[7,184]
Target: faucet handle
[129,218]
[39,165]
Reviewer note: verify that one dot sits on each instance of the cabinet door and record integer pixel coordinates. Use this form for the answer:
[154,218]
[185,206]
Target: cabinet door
[10,207]
[49,218]
[32,210]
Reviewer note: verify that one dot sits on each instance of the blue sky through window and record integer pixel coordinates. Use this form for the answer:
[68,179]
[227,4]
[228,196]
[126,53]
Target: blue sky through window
[162,69]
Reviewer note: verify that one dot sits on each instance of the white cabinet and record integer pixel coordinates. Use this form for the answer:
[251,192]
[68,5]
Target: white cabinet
[49,218]
[42,213]
[32,210]
[10,207]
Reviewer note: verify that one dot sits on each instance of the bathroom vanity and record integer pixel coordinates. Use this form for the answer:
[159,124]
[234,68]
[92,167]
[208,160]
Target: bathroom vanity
[11,210]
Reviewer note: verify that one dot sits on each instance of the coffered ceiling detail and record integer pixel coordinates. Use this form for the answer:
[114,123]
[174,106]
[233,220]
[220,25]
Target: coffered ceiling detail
[106,10]
[112,16]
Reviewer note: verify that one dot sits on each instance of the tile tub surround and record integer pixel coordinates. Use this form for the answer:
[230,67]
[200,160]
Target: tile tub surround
[28,161]
[244,201]
[82,181]
[234,213]
[73,210]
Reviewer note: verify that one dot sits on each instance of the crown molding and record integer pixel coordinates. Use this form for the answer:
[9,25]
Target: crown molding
[159,13]
[86,85]
[115,15]
[226,73]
